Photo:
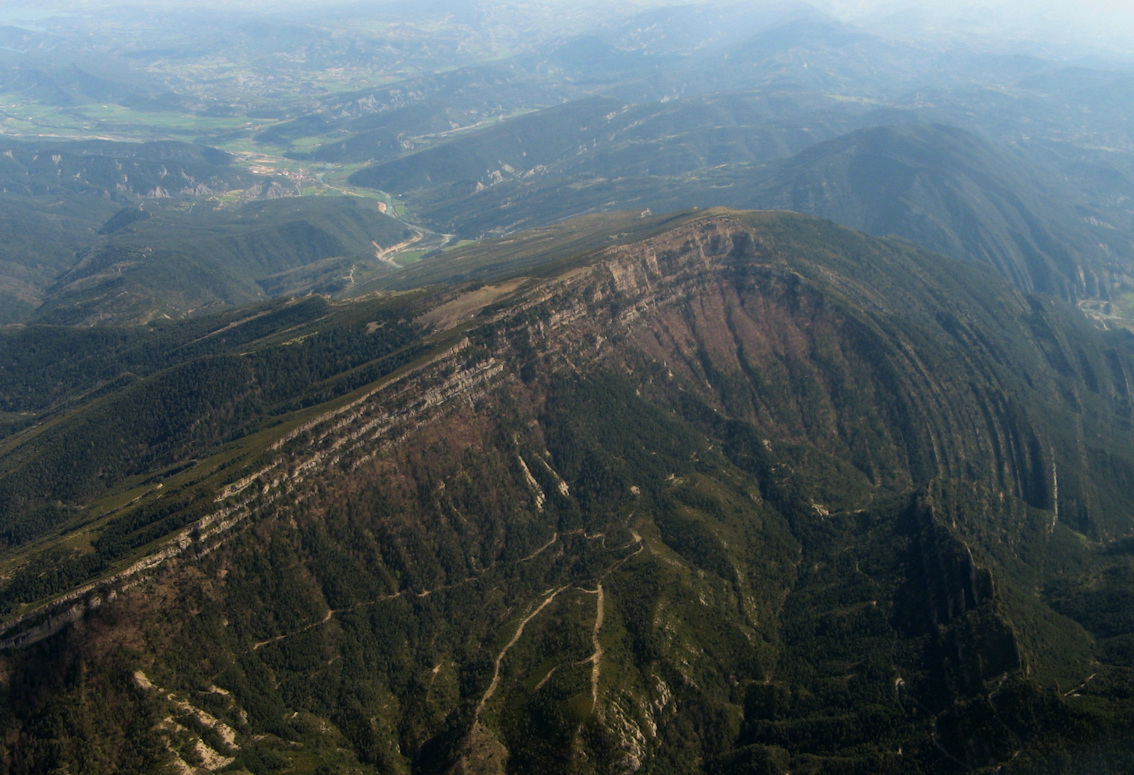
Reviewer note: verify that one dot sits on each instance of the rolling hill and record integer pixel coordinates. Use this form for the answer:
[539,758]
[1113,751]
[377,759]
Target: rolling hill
[57,196]
[175,263]
[951,192]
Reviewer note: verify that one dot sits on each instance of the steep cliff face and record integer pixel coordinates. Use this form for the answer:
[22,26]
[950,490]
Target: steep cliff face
[862,350]
[753,493]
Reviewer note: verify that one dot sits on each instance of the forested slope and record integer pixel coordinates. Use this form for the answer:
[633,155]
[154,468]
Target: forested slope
[739,492]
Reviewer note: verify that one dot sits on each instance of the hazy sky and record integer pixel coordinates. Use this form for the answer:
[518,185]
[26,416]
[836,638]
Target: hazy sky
[1107,23]
[847,8]
[850,9]
[1022,12]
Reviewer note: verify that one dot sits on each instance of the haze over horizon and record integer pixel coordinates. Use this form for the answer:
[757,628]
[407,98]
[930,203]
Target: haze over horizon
[1091,27]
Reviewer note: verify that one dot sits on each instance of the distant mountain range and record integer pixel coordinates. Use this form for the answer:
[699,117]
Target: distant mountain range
[939,186]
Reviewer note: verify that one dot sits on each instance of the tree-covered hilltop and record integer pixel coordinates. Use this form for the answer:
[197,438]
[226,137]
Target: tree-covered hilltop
[175,262]
[56,196]
[733,492]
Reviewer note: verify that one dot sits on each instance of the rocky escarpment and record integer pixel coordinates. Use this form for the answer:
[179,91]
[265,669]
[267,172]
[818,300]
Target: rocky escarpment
[343,437]
[866,359]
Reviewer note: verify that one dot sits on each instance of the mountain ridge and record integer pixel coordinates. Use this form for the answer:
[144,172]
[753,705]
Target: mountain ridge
[585,467]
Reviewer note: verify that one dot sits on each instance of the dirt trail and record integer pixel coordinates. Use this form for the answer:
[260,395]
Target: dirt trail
[333,612]
[383,254]
[596,658]
[326,618]
[543,548]
[1075,692]
[515,639]
[546,678]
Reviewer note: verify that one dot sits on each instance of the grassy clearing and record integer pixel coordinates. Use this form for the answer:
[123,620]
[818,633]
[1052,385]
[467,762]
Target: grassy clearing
[246,146]
[1123,306]
[409,257]
[20,117]
[307,143]
[1118,312]
[459,244]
